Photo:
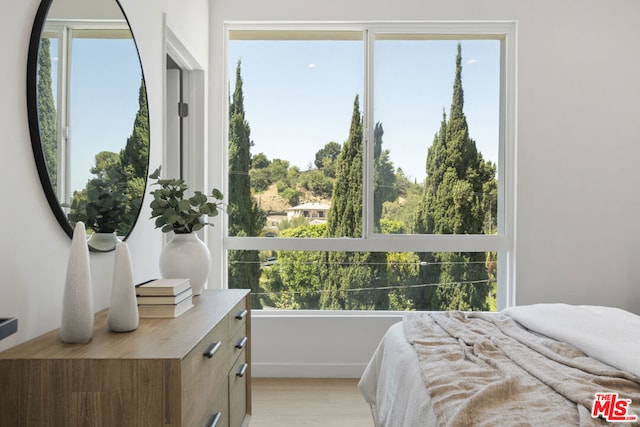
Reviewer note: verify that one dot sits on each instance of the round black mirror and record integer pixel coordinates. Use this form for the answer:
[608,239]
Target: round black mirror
[88,117]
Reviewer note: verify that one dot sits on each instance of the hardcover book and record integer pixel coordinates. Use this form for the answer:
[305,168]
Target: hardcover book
[165,310]
[163,287]
[168,299]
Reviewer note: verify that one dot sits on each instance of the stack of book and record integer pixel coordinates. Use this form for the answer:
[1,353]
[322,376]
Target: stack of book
[164,297]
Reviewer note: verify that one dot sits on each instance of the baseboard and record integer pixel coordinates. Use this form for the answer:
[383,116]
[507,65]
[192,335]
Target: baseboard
[307,370]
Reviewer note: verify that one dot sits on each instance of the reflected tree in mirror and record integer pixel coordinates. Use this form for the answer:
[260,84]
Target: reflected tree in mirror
[47,112]
[110,202]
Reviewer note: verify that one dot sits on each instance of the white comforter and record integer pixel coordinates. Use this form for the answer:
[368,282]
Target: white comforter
[392,385]
[608,334]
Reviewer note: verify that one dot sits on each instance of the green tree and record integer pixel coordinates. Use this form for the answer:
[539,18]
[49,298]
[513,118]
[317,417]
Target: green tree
[260,161]
[326,158]
[135,155]
[245,217]
[454,202]
[294,281]
[111,200]
[47,118]
[348,274]
[383,177]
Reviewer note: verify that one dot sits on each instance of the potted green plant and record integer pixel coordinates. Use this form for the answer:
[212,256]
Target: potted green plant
[99,206]
[174,212]
[185,255]
[102,206]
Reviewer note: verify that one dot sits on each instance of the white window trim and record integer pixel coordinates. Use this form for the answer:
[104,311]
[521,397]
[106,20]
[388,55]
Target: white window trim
[503,242]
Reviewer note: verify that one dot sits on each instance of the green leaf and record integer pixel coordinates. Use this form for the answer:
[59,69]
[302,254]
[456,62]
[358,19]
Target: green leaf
[217,194]
[155,173]
[184,206]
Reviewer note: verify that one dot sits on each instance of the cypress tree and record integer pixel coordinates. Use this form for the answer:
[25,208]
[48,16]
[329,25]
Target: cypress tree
[47,118]
[134,160]
[347,272]
[135,154]
[245,217]
[384,177]
[453,203]
[345,215]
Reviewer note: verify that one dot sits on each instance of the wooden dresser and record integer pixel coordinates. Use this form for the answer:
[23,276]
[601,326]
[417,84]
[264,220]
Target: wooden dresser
[191,371]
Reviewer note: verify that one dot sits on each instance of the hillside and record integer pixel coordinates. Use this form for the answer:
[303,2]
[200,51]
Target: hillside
[270,201]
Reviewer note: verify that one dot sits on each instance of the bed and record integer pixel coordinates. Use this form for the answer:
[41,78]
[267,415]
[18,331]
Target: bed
[537,365]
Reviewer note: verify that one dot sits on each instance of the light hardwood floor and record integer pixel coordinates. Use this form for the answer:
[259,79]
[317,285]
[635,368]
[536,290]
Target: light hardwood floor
[308,403]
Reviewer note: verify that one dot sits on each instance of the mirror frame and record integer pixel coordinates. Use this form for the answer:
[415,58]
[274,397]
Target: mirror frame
[34,125]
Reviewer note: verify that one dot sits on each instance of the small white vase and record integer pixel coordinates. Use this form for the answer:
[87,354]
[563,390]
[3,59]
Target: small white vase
[77,301]
[123,311]
[186,256]
[103,242]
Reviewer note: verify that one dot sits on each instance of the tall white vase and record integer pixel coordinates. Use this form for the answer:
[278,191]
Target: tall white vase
[186,257]
[77,301]
[123,311]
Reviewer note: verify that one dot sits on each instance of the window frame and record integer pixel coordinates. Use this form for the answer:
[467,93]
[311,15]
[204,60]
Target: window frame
[502,242]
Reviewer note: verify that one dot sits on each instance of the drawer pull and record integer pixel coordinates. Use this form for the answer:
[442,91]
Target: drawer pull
[241,315]
[211,350]
[214,420]
[243,370]
[241,343]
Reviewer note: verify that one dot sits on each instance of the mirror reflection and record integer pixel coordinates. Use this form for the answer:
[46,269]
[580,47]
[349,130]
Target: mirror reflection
[92,118]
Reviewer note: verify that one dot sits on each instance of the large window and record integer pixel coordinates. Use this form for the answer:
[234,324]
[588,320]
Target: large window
[368,165]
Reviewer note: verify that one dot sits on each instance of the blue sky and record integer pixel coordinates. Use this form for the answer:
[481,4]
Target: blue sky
[298,95]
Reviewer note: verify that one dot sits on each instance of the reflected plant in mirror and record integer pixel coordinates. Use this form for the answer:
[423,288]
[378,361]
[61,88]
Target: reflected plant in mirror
[88,116]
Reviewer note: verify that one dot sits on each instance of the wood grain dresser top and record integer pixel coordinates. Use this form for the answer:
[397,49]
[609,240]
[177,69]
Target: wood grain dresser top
[154,338]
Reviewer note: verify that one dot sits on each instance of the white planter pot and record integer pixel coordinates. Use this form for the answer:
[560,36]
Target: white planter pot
[186,256]
[103,242]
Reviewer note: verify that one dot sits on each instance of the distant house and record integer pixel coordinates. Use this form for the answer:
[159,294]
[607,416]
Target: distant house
[316,212]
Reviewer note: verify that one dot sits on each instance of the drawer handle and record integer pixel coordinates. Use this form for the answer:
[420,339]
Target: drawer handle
[241,315]
[242,370]
[215,419]
[211,350]
[240,344]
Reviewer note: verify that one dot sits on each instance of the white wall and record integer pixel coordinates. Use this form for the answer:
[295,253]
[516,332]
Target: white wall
[578,147]
[33,248]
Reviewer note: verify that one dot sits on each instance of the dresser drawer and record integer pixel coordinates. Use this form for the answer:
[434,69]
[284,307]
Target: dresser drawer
[238,343]
[204,377]
[218,411]
[238,317]
[238,391]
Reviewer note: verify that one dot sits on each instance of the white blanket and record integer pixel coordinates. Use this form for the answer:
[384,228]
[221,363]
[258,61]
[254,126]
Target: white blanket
[391,384]
[608,334]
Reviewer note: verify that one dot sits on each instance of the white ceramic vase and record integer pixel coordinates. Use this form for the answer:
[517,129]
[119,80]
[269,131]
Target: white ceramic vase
[186,256]
[123,311]
[103,242]
[77,301]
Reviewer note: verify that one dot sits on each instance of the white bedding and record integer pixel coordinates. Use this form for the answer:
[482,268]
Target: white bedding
[392,385]
[608,334]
